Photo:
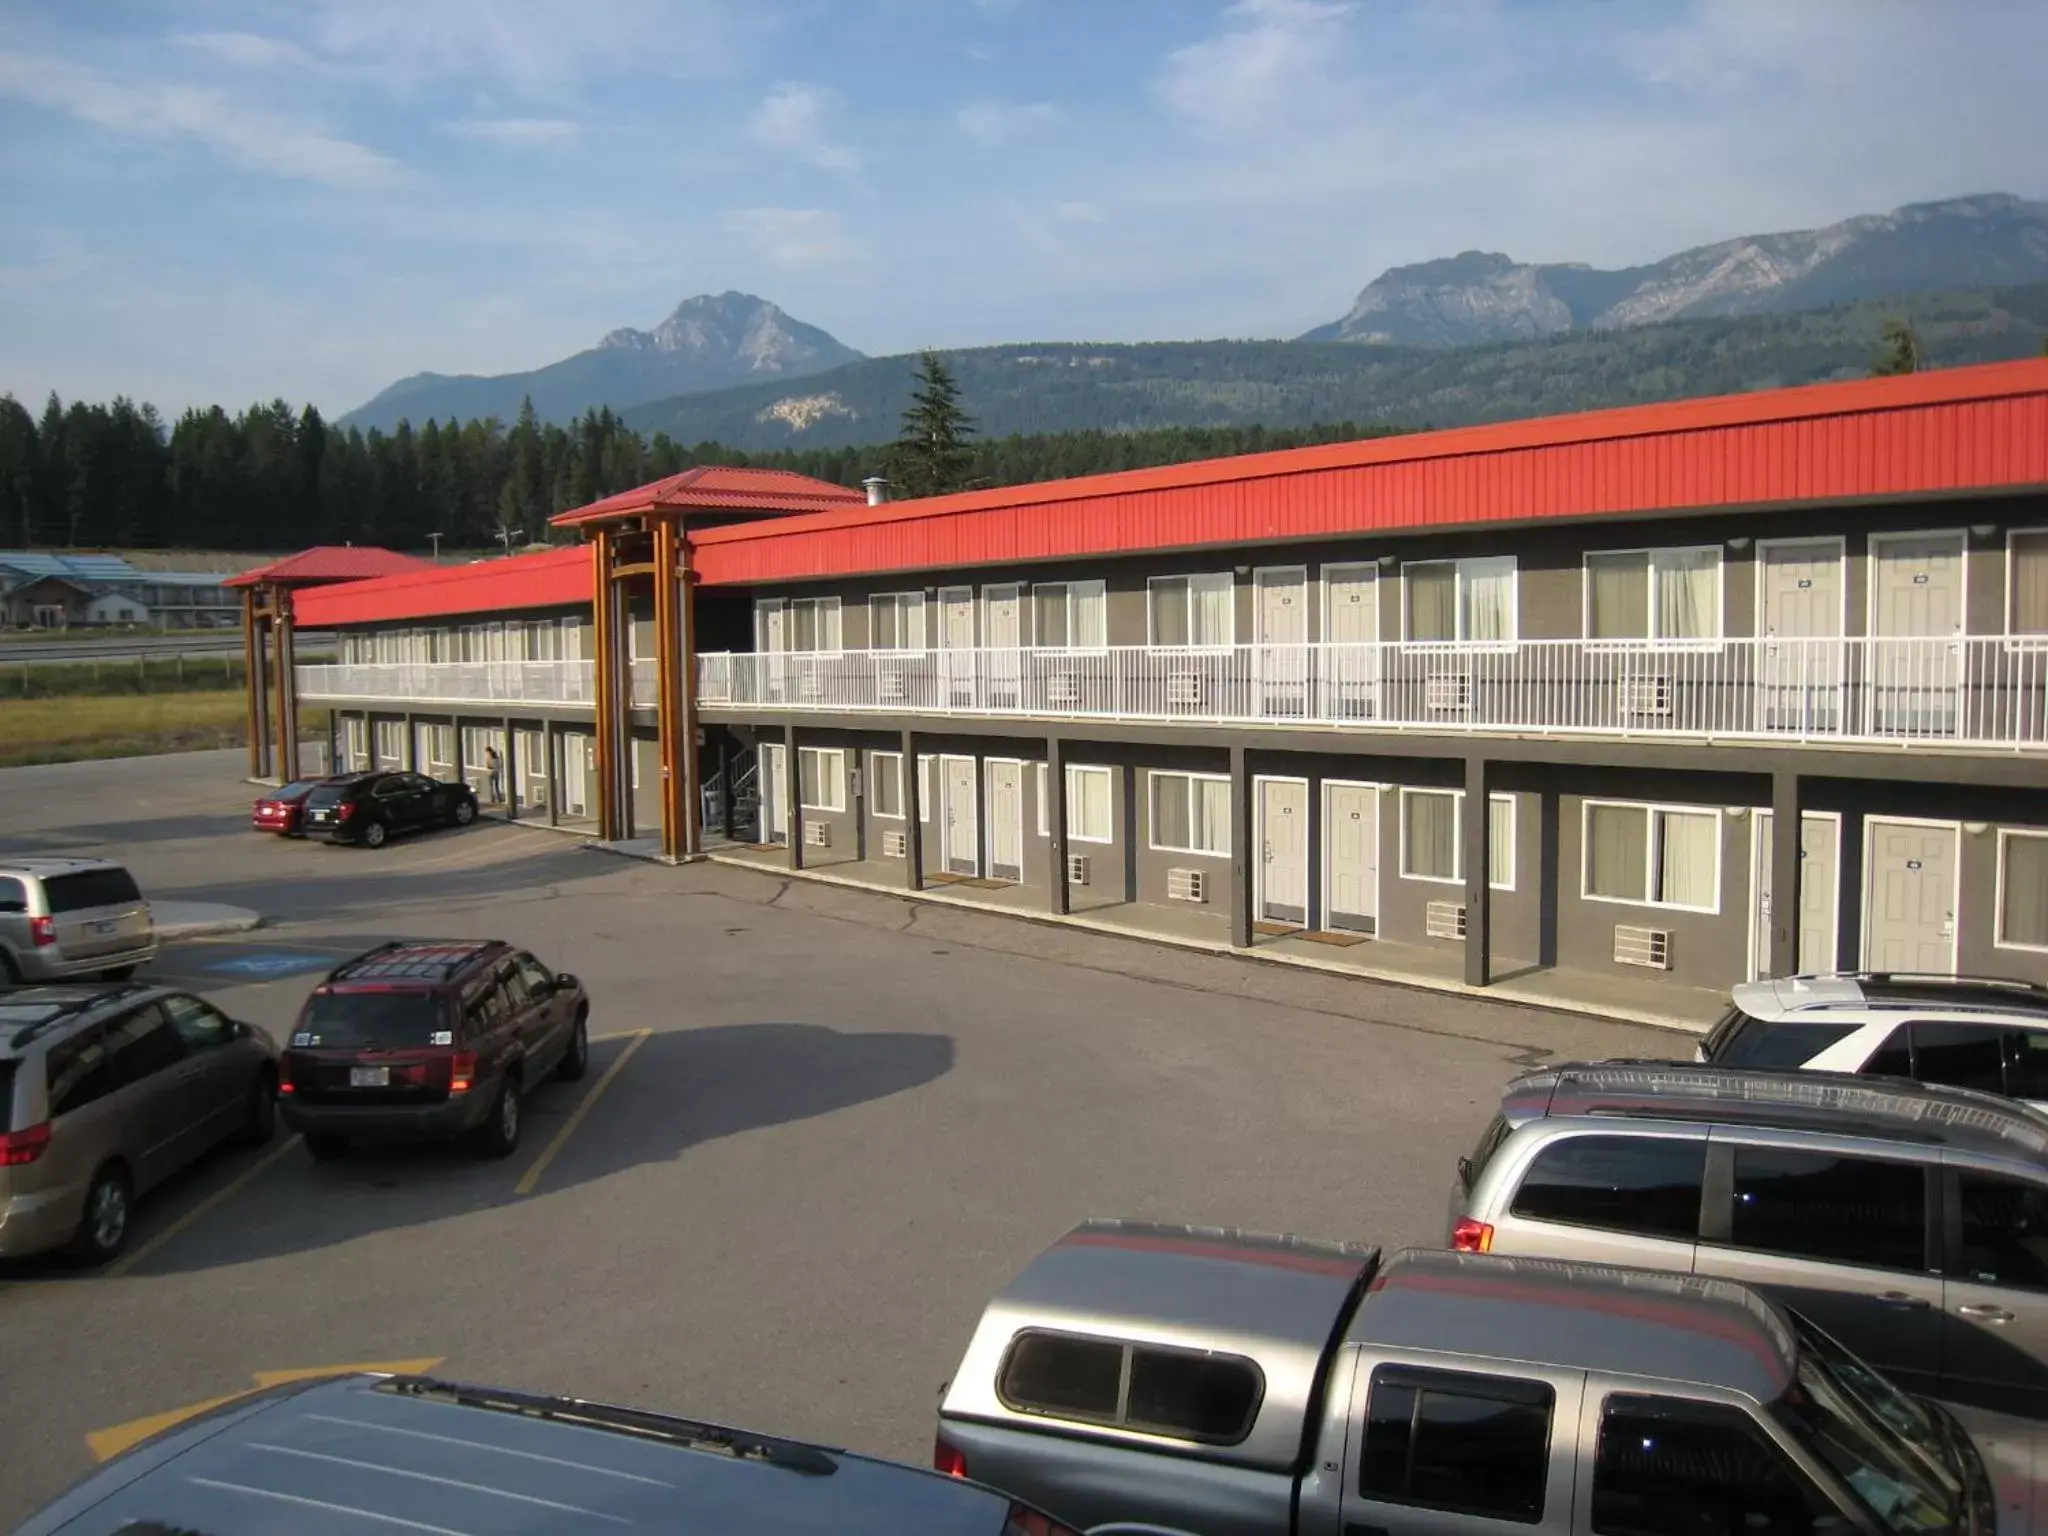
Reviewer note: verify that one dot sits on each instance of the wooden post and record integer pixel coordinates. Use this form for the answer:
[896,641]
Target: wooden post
[548,741]
[411,760]
[287,687]
[676,738]
[725,796]
[1240,851]
[254,685]
[508,765]
[692,787]
[913,816]
[1478,852]
[1055,809]
[792,796]
[1788,831]
[604,640]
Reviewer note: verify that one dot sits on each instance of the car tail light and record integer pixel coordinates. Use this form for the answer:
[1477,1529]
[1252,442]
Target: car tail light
[948,1458]
[1470,1236]
[23,1146]
[284,1076]
[461,1071]
[343,811]
[1026,1521]
[42,931]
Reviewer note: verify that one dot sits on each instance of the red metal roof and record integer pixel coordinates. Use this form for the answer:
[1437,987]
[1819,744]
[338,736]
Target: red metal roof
[766,492]
[548,579]
[1951,431]
[330,562]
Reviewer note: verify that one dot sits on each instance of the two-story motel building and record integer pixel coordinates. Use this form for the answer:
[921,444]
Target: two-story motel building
[1274,687]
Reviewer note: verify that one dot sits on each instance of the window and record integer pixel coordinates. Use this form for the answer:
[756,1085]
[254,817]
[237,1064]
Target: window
[540,981]
[1192,610]
[357,1019]
[541,638]
[140,1045]
[90,888]
[517,993]
[1433,837]
[13,895]
[486,1010]
[1642,1184]
[1476,1445]
[2026,1063]
[1459,599]
[77,1071]
[821,778]
[2027,563]
[2023,890]
[1741,1041]
[1654,594]
[199,1026]
[1189,1394]
[1653,856]
[1840,1210]
[2005,1231]
[1088,804]
[814,624]
[1668,1467]
[1191,813]
[896,621]
[1959,1055]
[885,784]
[1069,616]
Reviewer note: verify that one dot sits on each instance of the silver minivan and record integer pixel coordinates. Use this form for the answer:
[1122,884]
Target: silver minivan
[65,918]
[1908,1220]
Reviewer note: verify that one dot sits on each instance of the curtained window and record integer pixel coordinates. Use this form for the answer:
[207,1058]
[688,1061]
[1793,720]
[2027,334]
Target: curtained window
[1191,813]
[1470,600]
[1088,810]
[2023,890]
[885,784]
[1433,837]
[813,624]
[1653,856]
[1069,616]
[1653,594]
[896,621]
[1193,610]
[2028,553]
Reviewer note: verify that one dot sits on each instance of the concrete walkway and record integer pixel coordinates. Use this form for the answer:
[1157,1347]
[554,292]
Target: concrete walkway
[197,919]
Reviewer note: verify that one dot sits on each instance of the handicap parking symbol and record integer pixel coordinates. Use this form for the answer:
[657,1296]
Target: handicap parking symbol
[268,963]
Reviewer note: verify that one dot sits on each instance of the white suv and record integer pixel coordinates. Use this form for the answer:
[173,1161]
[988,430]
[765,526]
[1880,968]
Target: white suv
[1964,1031]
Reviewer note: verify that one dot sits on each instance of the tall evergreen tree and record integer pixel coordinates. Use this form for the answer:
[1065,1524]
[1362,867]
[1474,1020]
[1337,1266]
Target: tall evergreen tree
[931,455]
[1901,350]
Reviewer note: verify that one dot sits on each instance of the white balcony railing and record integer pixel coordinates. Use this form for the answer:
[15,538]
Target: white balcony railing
[1977,692]
[452,682]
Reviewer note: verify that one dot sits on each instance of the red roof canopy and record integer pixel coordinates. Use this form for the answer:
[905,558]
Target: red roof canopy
[1949,432]
[763,492]
[551,578]
[330,562]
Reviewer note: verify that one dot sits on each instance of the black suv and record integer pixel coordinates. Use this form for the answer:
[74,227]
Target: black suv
[367,808]
[420,1039]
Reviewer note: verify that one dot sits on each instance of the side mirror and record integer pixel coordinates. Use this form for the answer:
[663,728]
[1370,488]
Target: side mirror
[567,982]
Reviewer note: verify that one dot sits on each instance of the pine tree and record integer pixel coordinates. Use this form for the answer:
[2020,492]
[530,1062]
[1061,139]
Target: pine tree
[1901,350]
[931,455]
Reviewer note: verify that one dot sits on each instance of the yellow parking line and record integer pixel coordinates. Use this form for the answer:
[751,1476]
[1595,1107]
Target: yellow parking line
[540,1164]
[615,1034]
[212,1202]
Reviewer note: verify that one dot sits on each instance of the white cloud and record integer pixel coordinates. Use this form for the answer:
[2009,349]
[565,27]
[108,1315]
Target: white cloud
[1270,64]
[794,238]
[248,50]
[528,131]
[996,122]
[791,120]
[1080,213]
[257,140]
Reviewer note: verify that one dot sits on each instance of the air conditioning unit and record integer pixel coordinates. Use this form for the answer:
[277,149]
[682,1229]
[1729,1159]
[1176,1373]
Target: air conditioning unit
[1062,688]
[1645,695]
[1444,919]
[1186,885]
[1077,869]
[895,845]
[817,834]
[1448,690]
[890,688]
[1184,689]
[1649,947]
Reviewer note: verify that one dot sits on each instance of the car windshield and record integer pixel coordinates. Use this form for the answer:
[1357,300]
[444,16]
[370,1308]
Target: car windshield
[356,1020]
[1866,1440]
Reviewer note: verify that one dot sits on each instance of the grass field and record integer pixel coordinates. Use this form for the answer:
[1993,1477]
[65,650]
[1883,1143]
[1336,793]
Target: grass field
[66,730]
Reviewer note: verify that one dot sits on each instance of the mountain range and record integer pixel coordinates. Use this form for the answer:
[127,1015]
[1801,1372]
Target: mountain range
[1422,343]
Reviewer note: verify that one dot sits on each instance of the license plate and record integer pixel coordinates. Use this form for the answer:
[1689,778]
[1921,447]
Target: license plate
[106,925]
[369,1077]
[318,816]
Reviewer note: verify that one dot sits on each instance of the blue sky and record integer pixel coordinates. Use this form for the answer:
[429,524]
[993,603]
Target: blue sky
[234,199]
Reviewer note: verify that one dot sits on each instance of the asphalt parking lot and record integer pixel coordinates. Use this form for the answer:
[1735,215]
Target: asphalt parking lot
[837,1122]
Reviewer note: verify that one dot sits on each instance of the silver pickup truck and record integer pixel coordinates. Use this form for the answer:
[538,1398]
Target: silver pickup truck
[1142,1378]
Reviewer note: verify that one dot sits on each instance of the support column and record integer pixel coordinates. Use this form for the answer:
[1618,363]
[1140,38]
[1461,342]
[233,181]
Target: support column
[412,745]
[553,772]
[1240,851]
[669,707]
[725,796]
[285,683]
[1055,809]
[334,741]
[455,726]
[692,788]
[252,682]
[510,759]
[1787,834]
[1478,850]
[604,642]
[792,797]
[913,816]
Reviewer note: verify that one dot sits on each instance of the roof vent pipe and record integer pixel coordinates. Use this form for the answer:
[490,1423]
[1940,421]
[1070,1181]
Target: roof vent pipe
[877,488]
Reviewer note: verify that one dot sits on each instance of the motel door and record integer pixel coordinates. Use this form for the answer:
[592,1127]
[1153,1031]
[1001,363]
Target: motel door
[1002,620]
[956,645]
[1280,597]
[1909,904]
[1349,663]
[1819,869]
[1916,617]
[1005,819]
[1351,856]
[1801,684]
[774,787]
[1283,850]
[956,806]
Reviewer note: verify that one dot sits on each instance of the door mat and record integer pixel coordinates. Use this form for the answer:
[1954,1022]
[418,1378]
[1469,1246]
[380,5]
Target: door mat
[768,847]
[1324,936]
[1276,930]
[985,885]
[945,877]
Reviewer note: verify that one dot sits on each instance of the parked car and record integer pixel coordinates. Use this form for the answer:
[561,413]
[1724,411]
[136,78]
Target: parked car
[422,1039]
[281,810]
[105,1092]
[369,808]
[1226,1384]
[400,1453]
[1909,1220]
[1966,1031]
[62,918]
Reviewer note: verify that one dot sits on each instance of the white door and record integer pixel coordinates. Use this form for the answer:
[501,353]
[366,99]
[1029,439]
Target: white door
[1801,623]
[1351,857]
[1002,623]
[956,644]
[962,842]
[1909,898]
[578,767]
[774,793]
[1280,633]
[1916,617]
[772,620]
[1819,892]
[1350,669]
[1283,850]
[1005,819]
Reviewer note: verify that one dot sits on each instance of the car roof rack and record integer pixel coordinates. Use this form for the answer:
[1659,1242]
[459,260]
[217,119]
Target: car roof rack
[62,1008]
[413,960]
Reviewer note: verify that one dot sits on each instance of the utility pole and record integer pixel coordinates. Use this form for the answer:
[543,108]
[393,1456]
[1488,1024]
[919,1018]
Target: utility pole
[437,547]
[507,535]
